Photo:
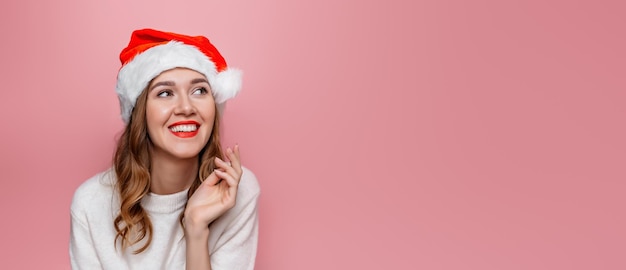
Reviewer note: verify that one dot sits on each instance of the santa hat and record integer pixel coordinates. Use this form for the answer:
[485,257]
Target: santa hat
[150,52]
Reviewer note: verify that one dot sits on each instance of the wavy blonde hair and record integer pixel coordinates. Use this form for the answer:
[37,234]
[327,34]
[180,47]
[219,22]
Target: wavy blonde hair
[132,168]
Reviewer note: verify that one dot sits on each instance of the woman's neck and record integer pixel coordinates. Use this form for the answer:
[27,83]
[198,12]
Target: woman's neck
[170,175]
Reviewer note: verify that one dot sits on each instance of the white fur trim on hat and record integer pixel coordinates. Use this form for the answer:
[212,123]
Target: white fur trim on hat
[135,76]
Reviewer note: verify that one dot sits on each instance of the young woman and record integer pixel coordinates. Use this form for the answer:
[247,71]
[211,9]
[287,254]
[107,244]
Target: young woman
[174,198]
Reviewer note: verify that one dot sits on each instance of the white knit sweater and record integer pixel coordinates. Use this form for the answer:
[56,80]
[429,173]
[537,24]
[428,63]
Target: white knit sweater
[232,239]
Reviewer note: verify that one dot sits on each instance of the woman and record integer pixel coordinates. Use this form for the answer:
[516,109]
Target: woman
[173,198]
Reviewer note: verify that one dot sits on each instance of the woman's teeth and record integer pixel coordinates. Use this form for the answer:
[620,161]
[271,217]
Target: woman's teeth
[184,128]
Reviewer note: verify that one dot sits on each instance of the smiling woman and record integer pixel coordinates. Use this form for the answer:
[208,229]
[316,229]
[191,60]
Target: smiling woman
[171,199]
[179,104]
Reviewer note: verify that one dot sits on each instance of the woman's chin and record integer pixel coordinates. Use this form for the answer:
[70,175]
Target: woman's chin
[185,154]
[177,154]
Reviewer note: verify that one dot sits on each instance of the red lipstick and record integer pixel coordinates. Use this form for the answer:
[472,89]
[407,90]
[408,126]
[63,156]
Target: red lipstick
[185,129]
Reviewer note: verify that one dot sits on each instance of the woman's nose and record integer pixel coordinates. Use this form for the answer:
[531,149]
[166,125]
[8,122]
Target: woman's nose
[184,106]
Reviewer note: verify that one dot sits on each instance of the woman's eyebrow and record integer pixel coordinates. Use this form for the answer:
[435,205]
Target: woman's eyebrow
[165,83]
[171,83]
[199,80]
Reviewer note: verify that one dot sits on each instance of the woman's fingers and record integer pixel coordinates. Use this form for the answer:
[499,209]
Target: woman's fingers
[230,193]
[235,159]
[211,180]
[225,167]
[234,168]
[232,182]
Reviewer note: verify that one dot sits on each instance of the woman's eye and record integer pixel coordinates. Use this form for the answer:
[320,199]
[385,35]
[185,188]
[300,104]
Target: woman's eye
[200,91]
[164,94]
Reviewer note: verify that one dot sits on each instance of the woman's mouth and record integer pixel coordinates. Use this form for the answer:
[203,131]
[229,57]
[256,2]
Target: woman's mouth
[184,129]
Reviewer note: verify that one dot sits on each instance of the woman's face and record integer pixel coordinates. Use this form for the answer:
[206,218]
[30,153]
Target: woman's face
[180,112]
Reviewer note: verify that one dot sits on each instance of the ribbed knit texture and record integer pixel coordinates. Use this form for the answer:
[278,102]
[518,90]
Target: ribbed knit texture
[164,204]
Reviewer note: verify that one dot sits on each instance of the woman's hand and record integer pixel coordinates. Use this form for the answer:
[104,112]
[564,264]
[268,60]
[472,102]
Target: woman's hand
[215,195]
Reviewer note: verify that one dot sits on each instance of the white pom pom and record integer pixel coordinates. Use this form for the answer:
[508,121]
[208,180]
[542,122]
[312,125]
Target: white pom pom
[227,84]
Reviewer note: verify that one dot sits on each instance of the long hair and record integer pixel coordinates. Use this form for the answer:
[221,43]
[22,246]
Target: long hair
[132,168]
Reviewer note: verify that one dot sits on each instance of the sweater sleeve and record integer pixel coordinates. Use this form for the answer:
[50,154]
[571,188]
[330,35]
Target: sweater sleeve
[82,251]
[237,246]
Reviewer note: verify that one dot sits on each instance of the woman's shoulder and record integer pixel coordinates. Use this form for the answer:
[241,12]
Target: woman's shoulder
[248,185]
[94,190]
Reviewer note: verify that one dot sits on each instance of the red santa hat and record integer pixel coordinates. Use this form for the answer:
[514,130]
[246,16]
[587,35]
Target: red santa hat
[150,52]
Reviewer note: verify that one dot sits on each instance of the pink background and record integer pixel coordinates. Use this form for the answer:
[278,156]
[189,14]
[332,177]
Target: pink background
[385,134]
